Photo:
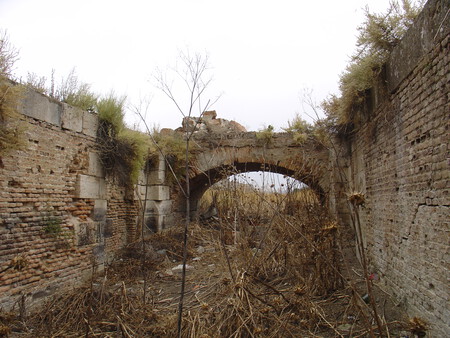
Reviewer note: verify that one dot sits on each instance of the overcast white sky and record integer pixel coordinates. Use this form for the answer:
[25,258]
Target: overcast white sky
[263,53]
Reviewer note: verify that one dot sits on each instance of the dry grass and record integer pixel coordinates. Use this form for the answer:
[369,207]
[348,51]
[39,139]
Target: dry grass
[275,277]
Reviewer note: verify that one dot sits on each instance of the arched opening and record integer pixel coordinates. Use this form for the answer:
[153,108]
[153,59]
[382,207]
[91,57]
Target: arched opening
[203,181]
[254,195]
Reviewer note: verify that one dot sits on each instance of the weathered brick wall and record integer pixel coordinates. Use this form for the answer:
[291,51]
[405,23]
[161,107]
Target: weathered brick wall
[58,214]
[400,160]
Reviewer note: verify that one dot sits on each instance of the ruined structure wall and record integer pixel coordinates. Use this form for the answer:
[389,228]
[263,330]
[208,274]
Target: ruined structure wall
[59,216]
[400,161]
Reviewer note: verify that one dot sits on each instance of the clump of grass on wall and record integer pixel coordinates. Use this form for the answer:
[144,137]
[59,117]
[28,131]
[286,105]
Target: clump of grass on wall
[123,151]
[378,35]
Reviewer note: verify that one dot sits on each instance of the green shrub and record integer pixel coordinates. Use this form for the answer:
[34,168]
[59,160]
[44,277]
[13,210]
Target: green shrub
[299,128]
[138,150]
[265,135]
[378,35]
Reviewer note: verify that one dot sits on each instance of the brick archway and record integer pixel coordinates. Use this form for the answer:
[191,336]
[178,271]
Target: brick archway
[216,157]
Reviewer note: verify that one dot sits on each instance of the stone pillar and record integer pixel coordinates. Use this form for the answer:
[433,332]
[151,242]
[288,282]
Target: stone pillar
[153,189]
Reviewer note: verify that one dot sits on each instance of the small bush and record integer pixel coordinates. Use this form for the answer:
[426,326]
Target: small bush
[138,151]
[299,128]
[37,83]
[75,93]
[378,35]
[8,55]
[265,135]
[11,127]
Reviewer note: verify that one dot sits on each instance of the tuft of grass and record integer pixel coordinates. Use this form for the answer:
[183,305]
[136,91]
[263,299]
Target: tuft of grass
[37,83]
[123,151]
[111,110]
[138,150]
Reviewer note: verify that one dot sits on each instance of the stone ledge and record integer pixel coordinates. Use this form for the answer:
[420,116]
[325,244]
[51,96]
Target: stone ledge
[40,107]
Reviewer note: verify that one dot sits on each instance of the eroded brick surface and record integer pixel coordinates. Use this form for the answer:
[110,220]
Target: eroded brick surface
[49,233]
[400,160]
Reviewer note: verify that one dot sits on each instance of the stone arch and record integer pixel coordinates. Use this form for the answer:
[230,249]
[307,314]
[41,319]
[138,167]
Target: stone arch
[216,159]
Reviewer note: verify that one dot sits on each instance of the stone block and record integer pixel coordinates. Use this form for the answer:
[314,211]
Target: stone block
[159,207]
[108,228]
[159,164]
[90,123]
[210,115]
[95,166]
[85,233]
[100,209]
[154,192]
[155,222]
[141,178]
[158,193]
[90,187]
[140,192]
[40,107]
[156,177]
[72,118]
[99,253]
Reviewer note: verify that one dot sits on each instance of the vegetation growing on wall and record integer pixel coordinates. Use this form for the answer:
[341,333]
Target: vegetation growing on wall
[265,135]
[123,151]
[378,35]
[10,124]
[76,93]
[299,128]
[173,146]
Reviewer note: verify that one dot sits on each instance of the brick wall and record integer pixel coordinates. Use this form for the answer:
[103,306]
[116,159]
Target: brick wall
[400,160]
[58,213]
